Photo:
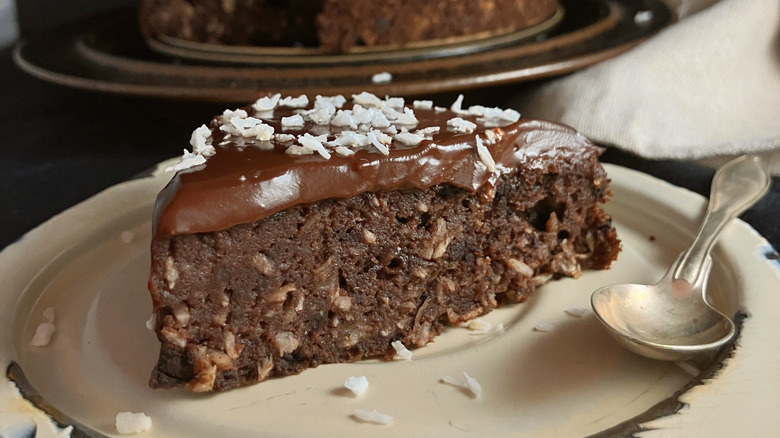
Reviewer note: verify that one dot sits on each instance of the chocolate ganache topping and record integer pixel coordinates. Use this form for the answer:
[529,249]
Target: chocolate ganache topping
[242,171]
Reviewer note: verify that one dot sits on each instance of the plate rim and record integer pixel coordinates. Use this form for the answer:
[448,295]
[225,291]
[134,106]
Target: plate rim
[504,65]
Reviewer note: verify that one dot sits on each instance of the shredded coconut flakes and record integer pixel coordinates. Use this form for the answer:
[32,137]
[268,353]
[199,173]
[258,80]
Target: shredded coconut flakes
[295,102]
[371,121]
[544,327]
[401,351]
[456,106]
[466,382]
[45,330]
[127,236]
[266,103]
[128,423]
[485,156]
[643,17]
[577,311]
[357,384]
[409,139]
[372,416]
[188,159]
[295,121]
[422,104]
[367,99]
[460,125]
[43,334]
[284,138]
[201,141]
[479,325]
[313,143]
[374,136]
[382,78]
[344,152]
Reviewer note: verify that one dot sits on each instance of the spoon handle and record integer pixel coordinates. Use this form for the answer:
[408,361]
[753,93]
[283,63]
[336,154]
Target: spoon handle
[736,186]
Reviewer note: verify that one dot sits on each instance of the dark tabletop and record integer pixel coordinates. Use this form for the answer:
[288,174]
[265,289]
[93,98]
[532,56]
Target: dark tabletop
[60,146]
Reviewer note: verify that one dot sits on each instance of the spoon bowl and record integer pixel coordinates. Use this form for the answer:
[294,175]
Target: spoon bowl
[665,321]
[673,318]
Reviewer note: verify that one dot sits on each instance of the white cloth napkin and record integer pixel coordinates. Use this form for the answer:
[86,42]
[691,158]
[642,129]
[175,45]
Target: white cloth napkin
[707,86]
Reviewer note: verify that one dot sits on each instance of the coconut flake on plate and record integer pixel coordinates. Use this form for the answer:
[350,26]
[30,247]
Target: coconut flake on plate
[479,324]
[43,334]
[643,17]
[544,327]
[482,327]
[466,382]
[127,236]
[128,423]
[372,416]
[401,351]
[461,126]
[577,312]
[382,78]
[357,384]
[266,103]
[301,101]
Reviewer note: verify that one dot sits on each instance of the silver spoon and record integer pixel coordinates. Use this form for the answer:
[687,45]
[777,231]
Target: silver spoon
[672,319]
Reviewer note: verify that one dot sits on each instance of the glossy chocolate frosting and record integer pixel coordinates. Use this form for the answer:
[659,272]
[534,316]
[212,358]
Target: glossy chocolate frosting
[247,180]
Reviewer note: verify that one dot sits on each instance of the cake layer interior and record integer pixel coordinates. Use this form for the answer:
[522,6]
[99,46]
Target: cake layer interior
[341,279]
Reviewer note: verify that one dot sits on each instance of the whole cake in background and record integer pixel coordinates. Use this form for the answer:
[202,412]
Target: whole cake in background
[298,233]
[336,25]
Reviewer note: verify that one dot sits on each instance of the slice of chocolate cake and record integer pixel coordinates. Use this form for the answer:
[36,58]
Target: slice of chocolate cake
[298,234]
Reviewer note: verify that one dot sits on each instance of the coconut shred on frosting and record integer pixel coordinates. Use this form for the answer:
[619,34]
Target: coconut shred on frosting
[251,162]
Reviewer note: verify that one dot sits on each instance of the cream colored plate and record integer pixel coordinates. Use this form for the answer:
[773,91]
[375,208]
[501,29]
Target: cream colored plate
[572,381]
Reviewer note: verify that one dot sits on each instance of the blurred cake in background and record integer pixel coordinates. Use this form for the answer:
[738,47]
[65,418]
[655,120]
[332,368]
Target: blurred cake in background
[337,26]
